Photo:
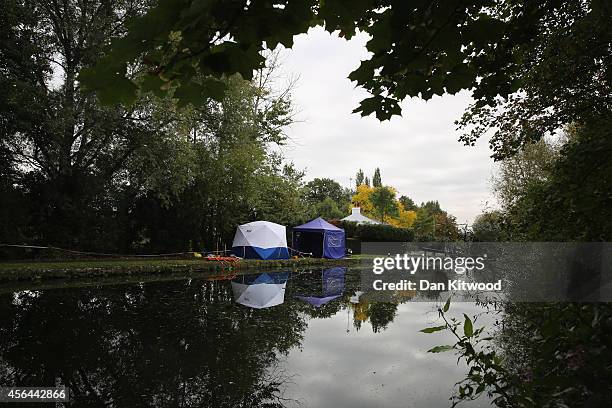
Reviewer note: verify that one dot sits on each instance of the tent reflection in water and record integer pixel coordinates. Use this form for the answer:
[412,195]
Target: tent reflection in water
[319,238]
[332,287]
[260,291]
[261,240]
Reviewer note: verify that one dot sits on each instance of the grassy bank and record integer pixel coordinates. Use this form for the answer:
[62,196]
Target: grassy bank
[26,270]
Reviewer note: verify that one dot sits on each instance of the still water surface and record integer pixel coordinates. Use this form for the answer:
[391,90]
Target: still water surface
[282,339]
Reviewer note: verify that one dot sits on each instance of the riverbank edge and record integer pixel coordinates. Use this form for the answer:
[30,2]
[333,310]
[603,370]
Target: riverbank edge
[34,271]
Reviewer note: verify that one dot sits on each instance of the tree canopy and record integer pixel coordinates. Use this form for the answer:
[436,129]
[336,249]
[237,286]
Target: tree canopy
[152,176]
[376,179]
[531,65]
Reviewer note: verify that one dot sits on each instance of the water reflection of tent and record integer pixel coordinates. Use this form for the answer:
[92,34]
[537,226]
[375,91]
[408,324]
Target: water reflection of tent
[260,291]
[332,281]
[320,238]
[261,240]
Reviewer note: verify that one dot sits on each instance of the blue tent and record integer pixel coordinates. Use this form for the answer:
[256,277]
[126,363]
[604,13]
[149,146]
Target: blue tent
[320,238]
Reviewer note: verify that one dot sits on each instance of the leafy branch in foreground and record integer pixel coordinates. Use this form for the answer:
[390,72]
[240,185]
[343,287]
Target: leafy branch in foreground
[486,370]
[545,63]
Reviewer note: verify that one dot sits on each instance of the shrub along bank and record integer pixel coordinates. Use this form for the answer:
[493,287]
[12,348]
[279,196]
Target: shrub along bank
[375,232]
[16,271]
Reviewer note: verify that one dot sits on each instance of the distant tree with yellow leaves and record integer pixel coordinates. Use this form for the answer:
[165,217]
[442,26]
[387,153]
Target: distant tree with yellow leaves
[384,202]
[428,219]
[383,206]
[362,198]
[405,218]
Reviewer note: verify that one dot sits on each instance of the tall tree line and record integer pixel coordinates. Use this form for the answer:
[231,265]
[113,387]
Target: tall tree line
[149,177]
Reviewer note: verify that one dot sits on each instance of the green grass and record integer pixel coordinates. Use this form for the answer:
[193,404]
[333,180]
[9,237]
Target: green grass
[37,270]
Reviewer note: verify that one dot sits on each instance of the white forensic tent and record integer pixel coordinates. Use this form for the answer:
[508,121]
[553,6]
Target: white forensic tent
[261,240]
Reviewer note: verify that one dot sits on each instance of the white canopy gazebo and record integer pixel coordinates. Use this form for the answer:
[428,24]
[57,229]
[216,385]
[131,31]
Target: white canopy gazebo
[359,218]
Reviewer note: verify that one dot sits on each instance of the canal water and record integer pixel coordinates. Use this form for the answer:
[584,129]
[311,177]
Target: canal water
[273,339]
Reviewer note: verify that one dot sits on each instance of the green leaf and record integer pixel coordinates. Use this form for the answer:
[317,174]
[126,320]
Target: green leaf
[153,83]
[387,109]
[122,91]
[145,30]
[196,94]
[446,305]
[384,107]
[368,105]
[433,329]
[189,93]
[109,82]
[229,58]
[214,88]
[440,349]
[480,388]
[364,72]
[381,36]
[468,328]
[484,29]
[461,77]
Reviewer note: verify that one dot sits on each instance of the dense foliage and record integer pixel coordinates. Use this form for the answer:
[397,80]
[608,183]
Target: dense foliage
[428,221]
[550,354]
[326,198]
[421,48]
[376,232]
[574,201]
[155,176]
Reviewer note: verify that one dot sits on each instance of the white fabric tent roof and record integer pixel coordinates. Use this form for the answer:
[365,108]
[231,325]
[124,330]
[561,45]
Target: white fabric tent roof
[359,218]
[261,234]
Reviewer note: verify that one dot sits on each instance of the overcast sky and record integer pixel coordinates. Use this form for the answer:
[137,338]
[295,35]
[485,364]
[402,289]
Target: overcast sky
[418,153]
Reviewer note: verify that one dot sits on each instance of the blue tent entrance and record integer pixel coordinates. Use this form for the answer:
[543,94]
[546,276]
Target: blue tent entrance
[320,238]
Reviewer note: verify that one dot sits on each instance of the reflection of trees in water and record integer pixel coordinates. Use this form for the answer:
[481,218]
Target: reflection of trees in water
[380,314]
[179,343]
[158,344]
